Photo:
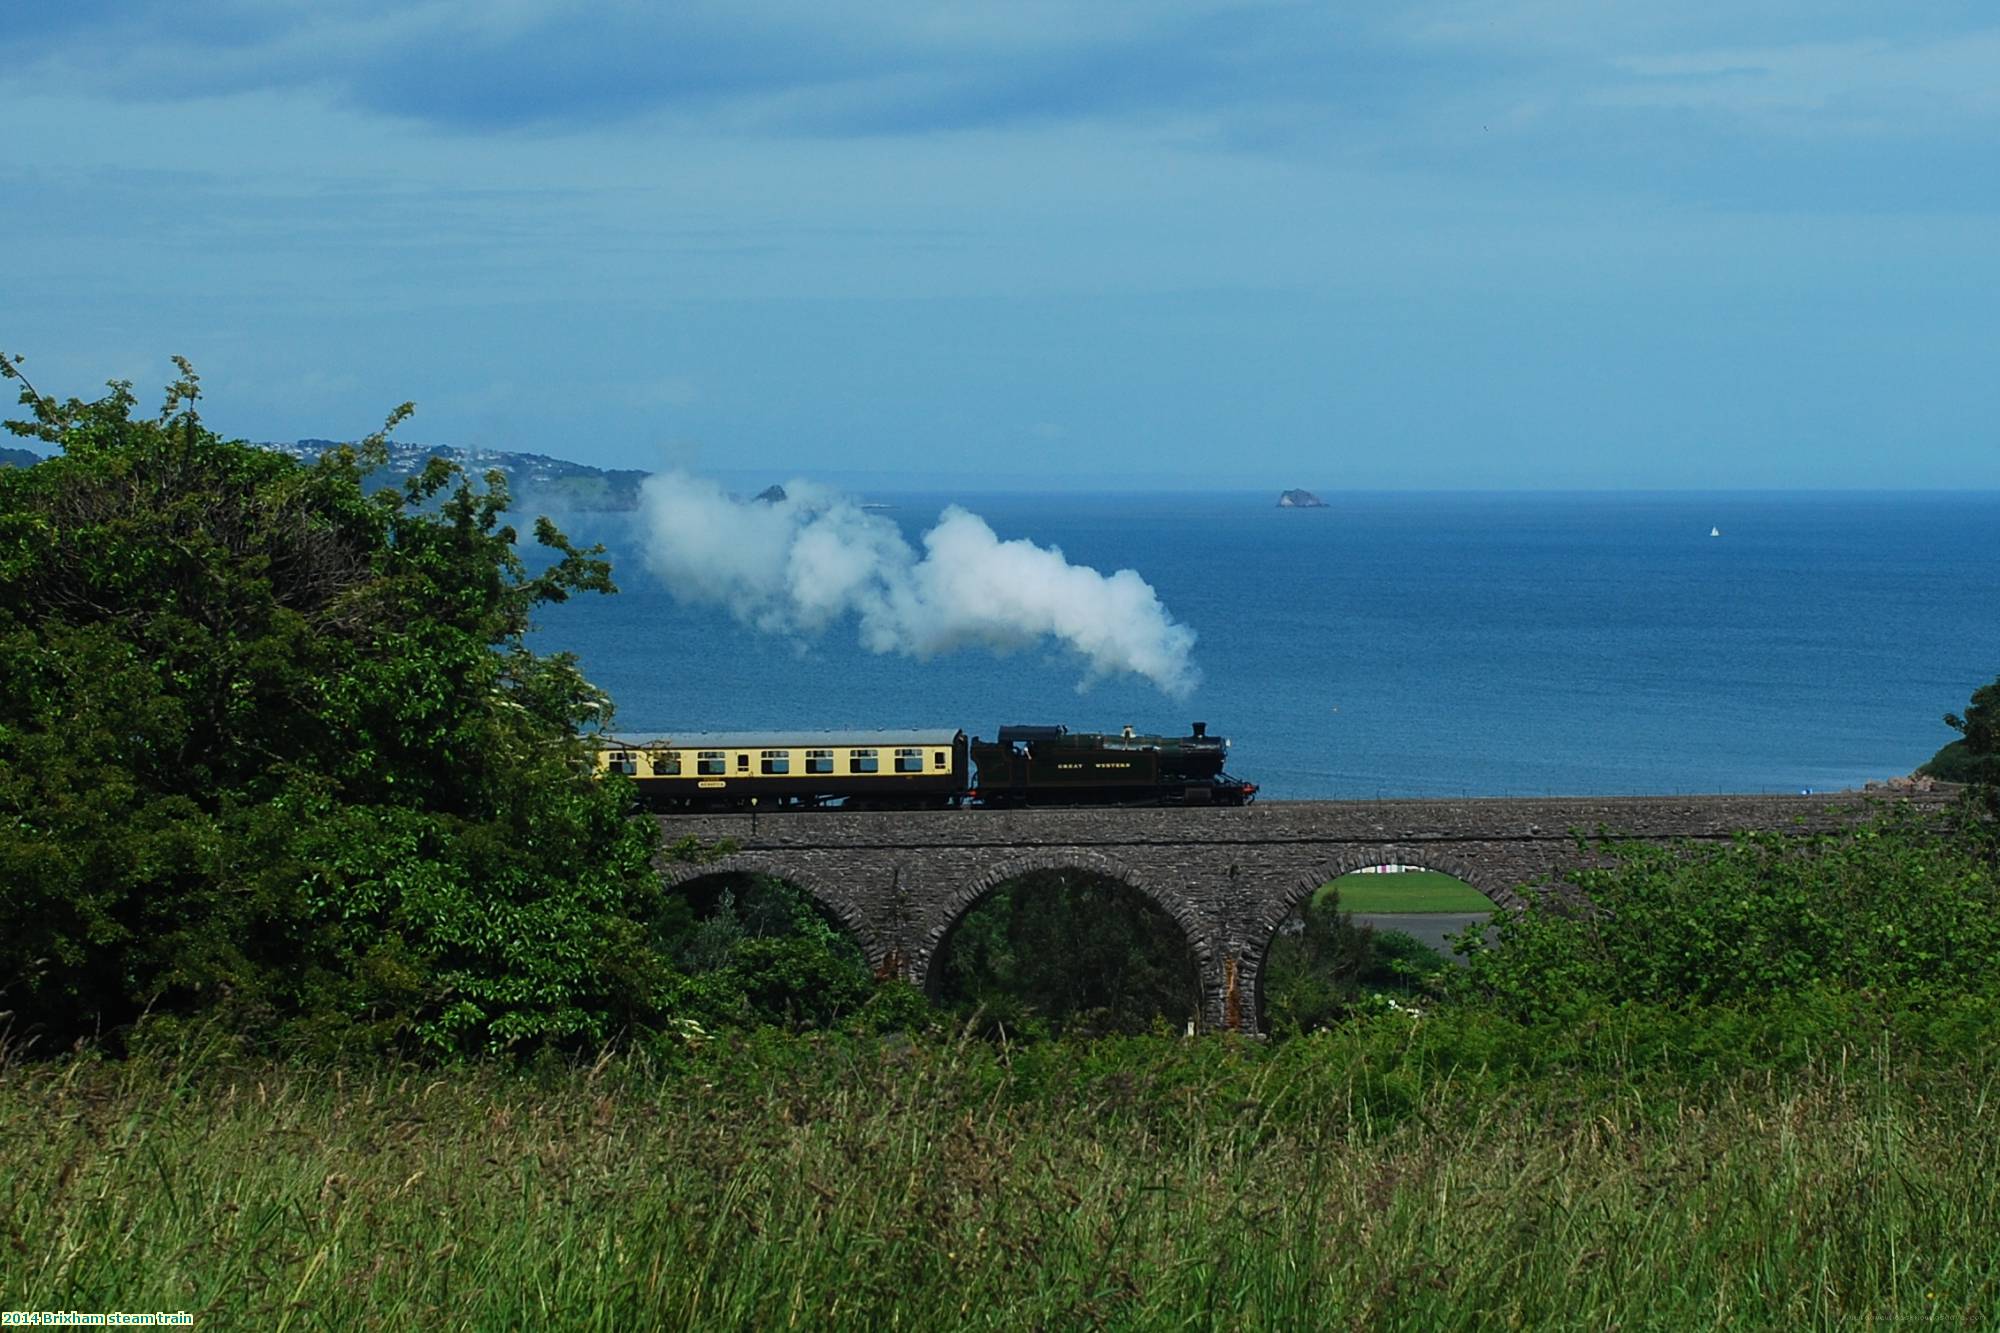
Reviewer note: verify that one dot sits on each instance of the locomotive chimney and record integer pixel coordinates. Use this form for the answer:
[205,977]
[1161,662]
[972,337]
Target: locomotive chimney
[1200,730]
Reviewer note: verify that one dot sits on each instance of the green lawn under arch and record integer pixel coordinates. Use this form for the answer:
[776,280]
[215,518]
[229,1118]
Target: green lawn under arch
[1410,891]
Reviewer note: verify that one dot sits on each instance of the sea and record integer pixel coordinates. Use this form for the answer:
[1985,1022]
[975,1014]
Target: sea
[1406,644]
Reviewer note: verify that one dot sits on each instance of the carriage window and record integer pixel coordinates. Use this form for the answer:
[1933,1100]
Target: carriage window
[909,761]
[742,762]
[937,759]
[667,765]
[863,761]
[713,762]
[777,761]
[621,762]
[819,761]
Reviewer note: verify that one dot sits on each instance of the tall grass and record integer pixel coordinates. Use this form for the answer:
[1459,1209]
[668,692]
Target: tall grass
[1341,1179]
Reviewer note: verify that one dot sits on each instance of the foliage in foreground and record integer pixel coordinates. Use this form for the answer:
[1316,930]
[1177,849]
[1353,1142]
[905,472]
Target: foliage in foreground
[273,747]
[1906,907]
[1824,1163]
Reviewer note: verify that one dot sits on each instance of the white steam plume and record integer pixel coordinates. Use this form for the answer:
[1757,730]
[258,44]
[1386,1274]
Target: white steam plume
[797,565]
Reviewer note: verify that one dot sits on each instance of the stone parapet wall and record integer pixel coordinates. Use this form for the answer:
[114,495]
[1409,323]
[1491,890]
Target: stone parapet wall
[1485,819]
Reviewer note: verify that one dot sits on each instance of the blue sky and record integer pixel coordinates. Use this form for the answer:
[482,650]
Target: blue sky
[1489,243]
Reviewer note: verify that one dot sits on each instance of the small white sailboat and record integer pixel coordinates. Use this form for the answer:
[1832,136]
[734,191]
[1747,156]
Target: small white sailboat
[1715,532]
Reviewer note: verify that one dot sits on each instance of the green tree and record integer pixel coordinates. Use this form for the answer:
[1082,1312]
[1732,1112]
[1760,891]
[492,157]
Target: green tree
[1975,756]
[274,746]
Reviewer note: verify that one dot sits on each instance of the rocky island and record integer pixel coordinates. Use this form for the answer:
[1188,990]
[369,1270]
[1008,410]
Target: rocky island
[1300,500]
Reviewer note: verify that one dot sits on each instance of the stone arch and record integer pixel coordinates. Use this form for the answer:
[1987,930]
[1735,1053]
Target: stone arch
[839,905]
[1308,882]
[942,919]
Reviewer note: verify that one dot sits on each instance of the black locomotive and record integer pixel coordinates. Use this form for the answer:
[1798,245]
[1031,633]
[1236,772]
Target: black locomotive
[1056,766]
[925,769]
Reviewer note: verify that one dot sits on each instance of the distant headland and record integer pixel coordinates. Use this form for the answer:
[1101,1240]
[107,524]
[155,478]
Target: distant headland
[1296,499]
[534,479]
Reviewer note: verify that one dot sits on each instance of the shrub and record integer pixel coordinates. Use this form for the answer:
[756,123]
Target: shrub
[1314,970]
[273,747]
[1904,906]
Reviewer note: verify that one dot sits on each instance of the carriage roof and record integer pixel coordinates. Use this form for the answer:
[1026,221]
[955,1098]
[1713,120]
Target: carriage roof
[789,740]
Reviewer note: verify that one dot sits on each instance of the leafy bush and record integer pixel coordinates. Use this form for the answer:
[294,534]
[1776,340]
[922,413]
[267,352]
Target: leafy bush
[1975,756]
[1904,907]
[758,951]
[1324,967]
[1399,959]
[1314,970]
[1958,762]
[273,747]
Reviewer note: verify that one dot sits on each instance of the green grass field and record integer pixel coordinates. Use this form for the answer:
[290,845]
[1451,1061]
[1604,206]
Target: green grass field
[1412,891]
[1339,1180]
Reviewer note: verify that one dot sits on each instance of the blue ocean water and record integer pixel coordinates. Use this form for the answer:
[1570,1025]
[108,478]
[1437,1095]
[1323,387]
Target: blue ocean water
[1407,644]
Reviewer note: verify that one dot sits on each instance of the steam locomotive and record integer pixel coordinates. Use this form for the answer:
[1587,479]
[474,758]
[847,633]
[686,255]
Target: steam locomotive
[924,769]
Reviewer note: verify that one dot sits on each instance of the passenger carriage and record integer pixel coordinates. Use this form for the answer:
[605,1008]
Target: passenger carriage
[728,770]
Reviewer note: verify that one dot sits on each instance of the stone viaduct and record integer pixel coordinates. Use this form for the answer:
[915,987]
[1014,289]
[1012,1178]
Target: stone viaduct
[901,881]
